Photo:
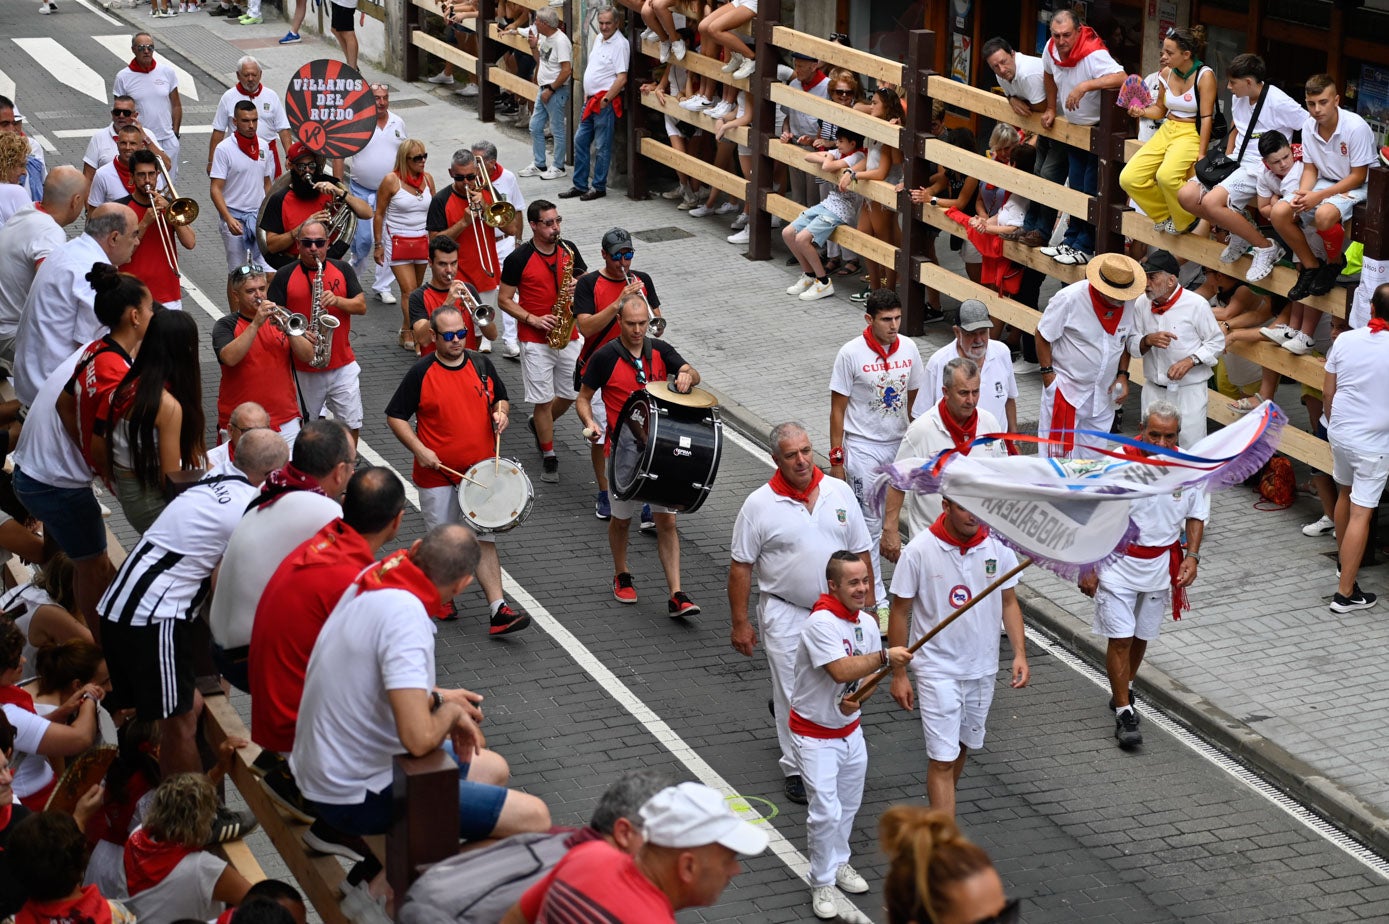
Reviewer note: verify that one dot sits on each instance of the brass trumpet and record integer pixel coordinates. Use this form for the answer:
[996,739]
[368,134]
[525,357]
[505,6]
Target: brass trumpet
[656,324]
[482,315]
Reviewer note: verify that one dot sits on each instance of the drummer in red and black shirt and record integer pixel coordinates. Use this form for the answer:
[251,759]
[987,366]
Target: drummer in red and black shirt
[308,197]
[336,386]
[619,369]
[256,356]
[450,213]
[150,261]
[460,406]
[445,287]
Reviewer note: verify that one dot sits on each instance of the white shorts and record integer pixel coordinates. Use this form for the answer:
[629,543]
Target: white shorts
[337,390]
[1240,188]
[1346,202]
[1124,613]
[953,713]
[439,506]
[600,417]
[548,374]
[1364,473]
[626,509]
[746,4]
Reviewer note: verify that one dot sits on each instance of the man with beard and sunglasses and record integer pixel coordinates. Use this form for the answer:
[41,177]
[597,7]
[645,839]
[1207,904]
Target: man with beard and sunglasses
[998,387]
[312,195]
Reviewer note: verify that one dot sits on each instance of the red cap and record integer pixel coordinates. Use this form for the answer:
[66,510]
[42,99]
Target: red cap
[299,149]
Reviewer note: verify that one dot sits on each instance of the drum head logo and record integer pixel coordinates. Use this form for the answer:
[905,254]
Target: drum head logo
[990,566]
[842,514]
[959,595]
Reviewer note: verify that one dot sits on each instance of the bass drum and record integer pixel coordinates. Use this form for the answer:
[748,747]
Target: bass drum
[338,242]
[663,452]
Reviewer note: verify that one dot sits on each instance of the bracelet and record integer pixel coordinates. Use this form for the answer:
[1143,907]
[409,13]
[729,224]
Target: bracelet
[1123,372]
[435,701]
[883,653]
[1193,555]
[1046,370]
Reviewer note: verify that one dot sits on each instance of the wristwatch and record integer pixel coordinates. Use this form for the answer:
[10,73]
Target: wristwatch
[435,701]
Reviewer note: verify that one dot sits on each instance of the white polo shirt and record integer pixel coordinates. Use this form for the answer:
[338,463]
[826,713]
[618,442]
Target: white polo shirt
[1351,145]
[826,638]
[606,59]
[997,384]
[371,164]
[1359,413]
[1198,334]
[102,148]
[924,439]
[57,317]
[26,240]
[1280,112]
[877,388]
[1027,83]
[790,545]
[46,452]
[151,94]
[1160,521]
[244,189]
[555,49]
[269,110]
[939,580]
[1270,185]
[1085,358]
[1373,274]
[1097,64]
[508,185]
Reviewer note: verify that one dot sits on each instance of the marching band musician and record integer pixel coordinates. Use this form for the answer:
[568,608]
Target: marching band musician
[312,195]
[155,259]
[456,211]
[460,408]
[336,386]
[532,286]
[608,286]
[445,287]
[620,368]
[255,354]
[509,238]
[240,179]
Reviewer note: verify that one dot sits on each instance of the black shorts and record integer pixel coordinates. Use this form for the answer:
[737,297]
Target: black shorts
[151,667]
[344,18]
[525,66]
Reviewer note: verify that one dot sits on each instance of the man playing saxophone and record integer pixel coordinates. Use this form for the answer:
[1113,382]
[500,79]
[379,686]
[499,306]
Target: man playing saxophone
[537,289]
[324,289]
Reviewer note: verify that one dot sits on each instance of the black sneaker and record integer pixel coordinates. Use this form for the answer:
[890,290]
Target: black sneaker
[284,792]
[507,621]
[325,838]
[573,192]
[1126,729]
[932,315]
[1133,704]
[266,761]
[229,825]
[795,789]
[1303,287]
[1358,600]
[680,604]
[1326,277]
[550,470]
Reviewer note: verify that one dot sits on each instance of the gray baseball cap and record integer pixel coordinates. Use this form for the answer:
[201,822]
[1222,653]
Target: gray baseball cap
[974,315]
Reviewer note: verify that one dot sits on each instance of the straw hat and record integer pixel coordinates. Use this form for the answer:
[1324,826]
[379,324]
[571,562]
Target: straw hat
[1117,276]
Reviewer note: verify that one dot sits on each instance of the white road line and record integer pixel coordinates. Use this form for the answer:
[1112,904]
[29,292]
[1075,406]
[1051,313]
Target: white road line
[119,45]
[64,66]
[6,86]
[42,140]
[88,132]
[98,11]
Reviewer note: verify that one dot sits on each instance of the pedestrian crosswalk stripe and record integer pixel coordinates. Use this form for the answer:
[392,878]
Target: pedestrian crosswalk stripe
[64,66]
[7,86]
[119,45]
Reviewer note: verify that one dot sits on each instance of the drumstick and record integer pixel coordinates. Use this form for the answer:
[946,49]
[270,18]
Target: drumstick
[445,468]
[497,457]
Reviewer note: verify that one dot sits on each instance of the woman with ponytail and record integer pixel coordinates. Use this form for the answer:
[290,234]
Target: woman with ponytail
[935,875]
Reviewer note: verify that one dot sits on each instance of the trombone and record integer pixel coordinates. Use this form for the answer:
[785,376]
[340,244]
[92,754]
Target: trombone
[495,216]
[181,210]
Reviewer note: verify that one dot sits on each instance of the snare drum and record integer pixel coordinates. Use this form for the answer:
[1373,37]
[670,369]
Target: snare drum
[666,448]
[500,500]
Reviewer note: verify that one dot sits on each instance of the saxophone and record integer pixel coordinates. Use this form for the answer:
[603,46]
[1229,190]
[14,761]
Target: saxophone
[320,321]
[559,334]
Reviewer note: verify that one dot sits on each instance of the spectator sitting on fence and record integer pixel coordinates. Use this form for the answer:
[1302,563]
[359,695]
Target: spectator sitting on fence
[959,192]
[516,19]
[844,91]
[1276,187]
[47,853]
[661,29]
[817,223]
[1338,149]
[1185,102]
[884,164]
[1240,310]
[674,81]
[725,27]
[554,56]
[743,117]
[454,13]
[801,129]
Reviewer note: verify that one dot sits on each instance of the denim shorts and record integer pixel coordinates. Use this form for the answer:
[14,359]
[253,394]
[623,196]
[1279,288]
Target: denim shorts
[71,516]
[819,221]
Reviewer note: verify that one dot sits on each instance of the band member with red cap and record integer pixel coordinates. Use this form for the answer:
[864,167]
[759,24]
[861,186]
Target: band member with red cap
[312,195]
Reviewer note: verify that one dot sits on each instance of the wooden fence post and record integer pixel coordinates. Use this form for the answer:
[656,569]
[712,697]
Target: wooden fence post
[486,50]
[1107,206]
[638,73]
[411,58]
[762,128]
[424,817]
[913,234]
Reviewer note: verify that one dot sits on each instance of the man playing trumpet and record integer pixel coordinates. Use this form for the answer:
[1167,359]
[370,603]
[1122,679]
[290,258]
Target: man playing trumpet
[446,287]
[155,260]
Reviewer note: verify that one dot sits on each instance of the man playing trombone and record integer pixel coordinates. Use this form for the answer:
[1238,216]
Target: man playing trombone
[446,287]
[162,232]
[312,195]
[460,211]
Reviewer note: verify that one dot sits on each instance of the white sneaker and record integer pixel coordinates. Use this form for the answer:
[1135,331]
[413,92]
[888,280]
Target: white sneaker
[1052,251]
[531,170]
[1278,333]
[1236,248]
[1265,258]
[696,103]
[469,90]
[802,283]
[1165,227]
[1324,526]
[1072,257]
[484,345]
[744,72]
[650,35]
[848,880]
[740,222]
[511,349]
[735,61]
[674,194]
[726,207]
[663,52]
[700,211]
[720,109]
[689,203]
[442,79]
[677,48]
[386,297]
[1298,344]
[738,237]
[824,901]
[1023,367]
[818,290]
[553,173]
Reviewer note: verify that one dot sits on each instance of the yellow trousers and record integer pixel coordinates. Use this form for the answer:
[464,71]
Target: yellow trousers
[1160,168]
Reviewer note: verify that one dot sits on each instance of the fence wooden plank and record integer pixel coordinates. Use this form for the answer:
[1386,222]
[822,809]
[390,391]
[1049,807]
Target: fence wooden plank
[451,53]
[511,83]
[516,42]
[1034,188]
[794,157]
[1308,369]
[698,64]
[996,107]
[374,10]
[860,62]
[1018,253]
[836,114]
[1293,442]
[692,166]
[879,252]
[671,107]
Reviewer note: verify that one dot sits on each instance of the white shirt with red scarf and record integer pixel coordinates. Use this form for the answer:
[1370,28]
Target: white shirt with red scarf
[926,437]
[826,637]
[1160,520]
[1084,355]
[1189,318]
[877,381]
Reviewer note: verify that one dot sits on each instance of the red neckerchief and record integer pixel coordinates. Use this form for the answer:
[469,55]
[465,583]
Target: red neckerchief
[495,173]
[416,185]
[1162,309]
[6,813]
[1378,324]
[249,146]
[1087,42]
[283,481]
[961,434]
[123,171]
[87,908]
[813,82]
[940,532]
[148,862]
[1107,314]
[831,604]
[139,69]
[399,572]
[783,487]
[15,695]
[878,349]
[242,90]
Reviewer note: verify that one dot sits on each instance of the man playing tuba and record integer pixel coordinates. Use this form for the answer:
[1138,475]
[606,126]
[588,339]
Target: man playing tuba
[309,194]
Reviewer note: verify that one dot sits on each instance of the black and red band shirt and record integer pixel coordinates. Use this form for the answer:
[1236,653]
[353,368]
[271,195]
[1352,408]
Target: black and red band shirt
[99,370]
[291,289]
[264,375]
[536,278]
[452,410]
[446,209]
[614,370]
[594,292]
[285,210]
[424,300]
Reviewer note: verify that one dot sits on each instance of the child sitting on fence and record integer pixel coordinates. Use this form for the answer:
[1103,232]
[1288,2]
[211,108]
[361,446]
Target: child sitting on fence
[815,225]
[1280,181]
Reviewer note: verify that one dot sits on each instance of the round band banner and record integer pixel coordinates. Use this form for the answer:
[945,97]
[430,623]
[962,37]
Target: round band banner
[330,108]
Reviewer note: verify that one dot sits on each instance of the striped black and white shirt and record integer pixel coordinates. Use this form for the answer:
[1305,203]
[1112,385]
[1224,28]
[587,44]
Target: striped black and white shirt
[169,573]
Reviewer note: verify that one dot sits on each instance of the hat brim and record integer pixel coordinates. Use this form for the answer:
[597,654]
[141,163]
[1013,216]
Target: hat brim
[1135,289]
[745,839]
[977,325]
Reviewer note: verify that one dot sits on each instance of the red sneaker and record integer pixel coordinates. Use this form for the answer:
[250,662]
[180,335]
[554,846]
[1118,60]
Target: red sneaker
[623,589]
[508,620]
[451,613]
[680,604]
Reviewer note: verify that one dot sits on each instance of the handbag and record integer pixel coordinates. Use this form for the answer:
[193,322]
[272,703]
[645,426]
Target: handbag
[1215,168]
[415,249]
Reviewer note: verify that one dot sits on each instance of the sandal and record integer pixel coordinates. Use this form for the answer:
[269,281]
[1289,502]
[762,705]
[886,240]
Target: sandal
[832,266]
[1246,404]
[849,268]
[407,340]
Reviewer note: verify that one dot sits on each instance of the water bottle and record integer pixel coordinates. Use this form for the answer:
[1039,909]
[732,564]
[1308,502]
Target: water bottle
[1115,391]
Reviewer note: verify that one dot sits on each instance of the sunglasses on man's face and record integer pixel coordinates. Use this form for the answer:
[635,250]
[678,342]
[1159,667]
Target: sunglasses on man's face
[623,255]
[313,243]
[450,336]
[119,113]
[144,48]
